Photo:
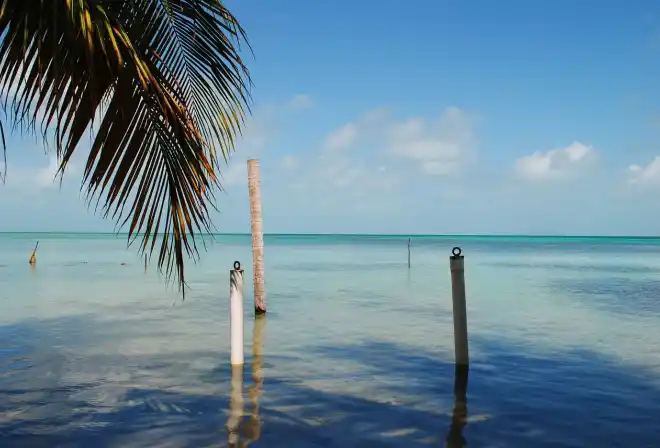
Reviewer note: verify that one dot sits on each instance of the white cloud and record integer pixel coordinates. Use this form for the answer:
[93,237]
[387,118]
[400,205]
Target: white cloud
[375,117]
[46,177]
[439,148]
[341,139]
[365,129]
[337,184]
[358,167]
[258,130]
[301,101]
[645,175]
[35,179]
[264,125]
[350,169]
[289,162]
[235,173]
[554,164]
[344,173]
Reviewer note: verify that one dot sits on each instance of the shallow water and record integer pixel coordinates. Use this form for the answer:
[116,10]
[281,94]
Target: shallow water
[356,350]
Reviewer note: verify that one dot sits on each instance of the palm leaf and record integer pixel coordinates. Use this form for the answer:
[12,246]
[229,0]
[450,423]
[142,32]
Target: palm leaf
[171,90]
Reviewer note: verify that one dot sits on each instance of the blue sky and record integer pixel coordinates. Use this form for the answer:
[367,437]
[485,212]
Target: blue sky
[431,116]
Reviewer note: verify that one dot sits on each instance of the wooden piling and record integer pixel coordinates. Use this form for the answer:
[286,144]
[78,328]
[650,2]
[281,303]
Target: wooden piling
[256,223]
[236,335]
[457,269]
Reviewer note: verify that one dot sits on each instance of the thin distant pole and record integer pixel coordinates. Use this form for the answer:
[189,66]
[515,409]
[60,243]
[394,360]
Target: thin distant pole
[408,253]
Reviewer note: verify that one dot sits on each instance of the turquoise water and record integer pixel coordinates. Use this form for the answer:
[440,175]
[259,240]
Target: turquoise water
[357,349]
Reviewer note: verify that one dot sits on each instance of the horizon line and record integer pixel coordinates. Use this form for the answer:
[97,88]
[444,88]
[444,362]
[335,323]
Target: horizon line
[70,232]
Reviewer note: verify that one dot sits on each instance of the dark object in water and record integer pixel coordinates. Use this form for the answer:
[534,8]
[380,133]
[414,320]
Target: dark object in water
[33,257]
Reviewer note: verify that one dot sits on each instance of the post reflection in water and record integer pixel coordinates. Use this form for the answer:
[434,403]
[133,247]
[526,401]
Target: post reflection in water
[455,437]
[255,390]
[249,430]
[235,405]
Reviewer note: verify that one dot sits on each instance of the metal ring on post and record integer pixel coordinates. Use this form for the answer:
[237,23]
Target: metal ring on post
[456,251]
[237,265]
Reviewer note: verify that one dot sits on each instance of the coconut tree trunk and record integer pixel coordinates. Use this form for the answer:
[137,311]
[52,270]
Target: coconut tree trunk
[254,186]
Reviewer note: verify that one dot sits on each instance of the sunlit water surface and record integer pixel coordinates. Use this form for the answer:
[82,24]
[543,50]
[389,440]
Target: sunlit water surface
[356,350]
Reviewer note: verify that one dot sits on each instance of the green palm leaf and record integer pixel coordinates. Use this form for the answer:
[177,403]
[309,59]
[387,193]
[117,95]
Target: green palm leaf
[165,80]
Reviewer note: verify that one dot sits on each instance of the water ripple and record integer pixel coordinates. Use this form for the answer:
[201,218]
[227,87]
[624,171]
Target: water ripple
[617,294]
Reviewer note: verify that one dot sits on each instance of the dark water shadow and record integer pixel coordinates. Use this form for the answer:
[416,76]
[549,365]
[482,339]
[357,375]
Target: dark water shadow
[615,294]
[459,416]
[517,398]
[521,399]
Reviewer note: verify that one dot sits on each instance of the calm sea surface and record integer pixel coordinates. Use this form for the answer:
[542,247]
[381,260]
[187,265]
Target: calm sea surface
[356,350]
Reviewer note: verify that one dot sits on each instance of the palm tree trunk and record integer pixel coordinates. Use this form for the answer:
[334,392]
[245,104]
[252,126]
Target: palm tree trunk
[254,186]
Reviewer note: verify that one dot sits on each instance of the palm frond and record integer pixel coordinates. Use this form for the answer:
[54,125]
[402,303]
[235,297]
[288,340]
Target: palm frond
[174,92]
